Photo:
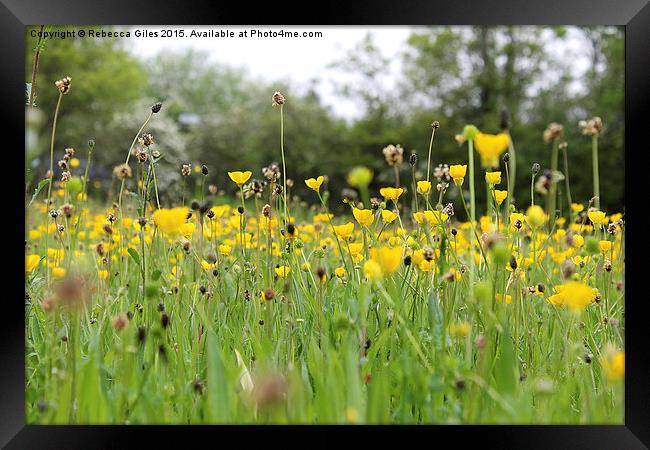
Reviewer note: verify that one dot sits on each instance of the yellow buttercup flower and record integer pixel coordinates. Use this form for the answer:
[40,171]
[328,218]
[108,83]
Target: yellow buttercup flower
[614,365]
[457,172]
[31,262]
[388,258]
[170,221]
[580,261]
[323,217]
[535,216]
[206,265]
[355,248]
[74,163]
[424,187]
[430,217]
[339,272]
[58,272]
[344,231]
[240,177]
[390,193]
[459,329]
[372,270]
[187,230]
[500,196]
[282,271]
[605,246]
[507,298]
[596,217]
[577,207]
[388,216]
[360,177]
[225,249]
[427,266]
[490,147]
[577,240]
[102,274]
[55,254]
[514,217]
[315,183]
[493,177]
[574,294]
[365,217]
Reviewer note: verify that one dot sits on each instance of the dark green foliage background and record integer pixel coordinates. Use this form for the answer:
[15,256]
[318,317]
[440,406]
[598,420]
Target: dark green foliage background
[455,75]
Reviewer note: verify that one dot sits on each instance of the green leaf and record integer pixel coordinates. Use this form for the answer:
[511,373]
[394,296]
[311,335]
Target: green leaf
[218,402]
[39,188]
[156,275]
[135,255]
[506,371]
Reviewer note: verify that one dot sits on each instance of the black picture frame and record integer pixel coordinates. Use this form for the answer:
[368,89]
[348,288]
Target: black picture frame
[633,15]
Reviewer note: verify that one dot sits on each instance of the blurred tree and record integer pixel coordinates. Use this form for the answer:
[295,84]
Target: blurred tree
[467,74]
[235,127]
[221,116]
[106,79]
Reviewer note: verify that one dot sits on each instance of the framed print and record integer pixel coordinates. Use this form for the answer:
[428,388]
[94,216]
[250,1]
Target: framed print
[421,220]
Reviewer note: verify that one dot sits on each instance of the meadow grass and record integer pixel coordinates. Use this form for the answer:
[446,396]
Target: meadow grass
[256,309]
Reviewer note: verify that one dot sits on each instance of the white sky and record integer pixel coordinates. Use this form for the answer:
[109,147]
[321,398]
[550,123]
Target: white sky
[303,59]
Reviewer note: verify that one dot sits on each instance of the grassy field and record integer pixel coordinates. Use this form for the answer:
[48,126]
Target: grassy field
[257,309]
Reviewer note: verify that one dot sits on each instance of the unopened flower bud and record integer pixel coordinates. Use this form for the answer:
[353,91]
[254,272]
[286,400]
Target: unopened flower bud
[278,99]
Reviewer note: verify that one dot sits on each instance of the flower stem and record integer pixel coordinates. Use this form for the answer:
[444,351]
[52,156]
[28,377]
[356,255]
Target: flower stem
[553,190]
[415,189]
[566,178]
[594,156]
[506,218]
[51,173]
[433,133]
[128,157]
[284,166]
[472,205]
[513,172]
[532,190]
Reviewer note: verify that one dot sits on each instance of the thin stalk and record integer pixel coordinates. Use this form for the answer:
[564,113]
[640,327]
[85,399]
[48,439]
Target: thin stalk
[566,178]
[594,161]
[472,205]
[433,133]
[51,173]
[284,166]
[513,172]
[553,190]
[506,218]
[415,188]
[128,157]
[532,190]
[37,57]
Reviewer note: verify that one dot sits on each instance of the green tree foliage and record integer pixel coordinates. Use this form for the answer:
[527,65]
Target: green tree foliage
[219,115]
[106,79]
[462,75]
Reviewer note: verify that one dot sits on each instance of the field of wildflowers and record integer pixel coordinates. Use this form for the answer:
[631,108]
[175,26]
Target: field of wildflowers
[258,309]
